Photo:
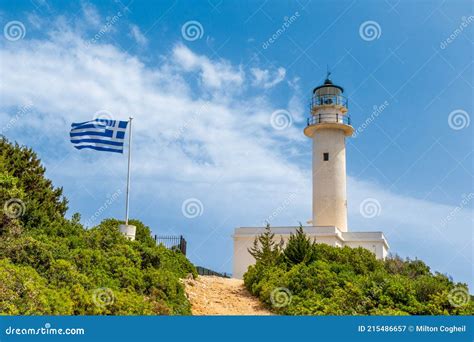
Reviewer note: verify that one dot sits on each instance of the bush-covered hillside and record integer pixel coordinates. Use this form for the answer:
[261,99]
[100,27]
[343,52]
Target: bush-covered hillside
[304,278]
[50,265]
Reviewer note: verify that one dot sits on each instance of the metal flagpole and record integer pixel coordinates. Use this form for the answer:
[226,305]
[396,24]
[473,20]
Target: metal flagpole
[128,172]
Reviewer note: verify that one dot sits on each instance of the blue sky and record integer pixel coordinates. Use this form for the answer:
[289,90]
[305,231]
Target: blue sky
[204,80]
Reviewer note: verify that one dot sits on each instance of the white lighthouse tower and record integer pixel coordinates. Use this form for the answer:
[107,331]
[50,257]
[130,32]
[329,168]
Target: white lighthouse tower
[328,126]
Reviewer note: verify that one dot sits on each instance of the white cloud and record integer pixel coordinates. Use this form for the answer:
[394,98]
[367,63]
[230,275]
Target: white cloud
[267,78]
[439,234]
[90,14]
[69,81]
[137,35]
[214,74]
[35,21]
[295,105]
[192,142]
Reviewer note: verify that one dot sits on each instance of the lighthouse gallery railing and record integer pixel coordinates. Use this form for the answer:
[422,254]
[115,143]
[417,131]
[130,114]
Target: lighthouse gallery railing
[329,118]
[322,100]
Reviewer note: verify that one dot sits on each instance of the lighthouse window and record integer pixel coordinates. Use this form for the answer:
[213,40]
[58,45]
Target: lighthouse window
[325,156]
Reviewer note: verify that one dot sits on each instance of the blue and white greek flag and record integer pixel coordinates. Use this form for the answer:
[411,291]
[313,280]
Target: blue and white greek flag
[99,134]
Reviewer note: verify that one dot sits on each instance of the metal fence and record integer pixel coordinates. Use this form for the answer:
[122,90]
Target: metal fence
[172,242]
[205,271]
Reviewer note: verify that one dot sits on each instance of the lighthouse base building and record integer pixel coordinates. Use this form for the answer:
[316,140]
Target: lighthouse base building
[333,236]
[328,126]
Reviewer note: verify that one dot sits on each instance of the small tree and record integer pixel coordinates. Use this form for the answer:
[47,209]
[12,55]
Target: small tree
[300,249]
[265,250]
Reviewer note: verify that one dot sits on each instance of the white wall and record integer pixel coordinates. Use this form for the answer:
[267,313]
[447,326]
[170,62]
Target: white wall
[244,237]
[329,179]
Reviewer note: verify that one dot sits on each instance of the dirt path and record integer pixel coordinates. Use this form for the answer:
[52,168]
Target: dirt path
[210,295]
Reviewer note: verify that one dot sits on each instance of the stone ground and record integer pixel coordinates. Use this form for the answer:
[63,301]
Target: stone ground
[211,295]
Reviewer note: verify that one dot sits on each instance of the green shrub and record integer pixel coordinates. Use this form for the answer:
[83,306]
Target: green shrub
[299,249]
[325,280]
[24,292]
[50,265]
[45,203]
[265,250]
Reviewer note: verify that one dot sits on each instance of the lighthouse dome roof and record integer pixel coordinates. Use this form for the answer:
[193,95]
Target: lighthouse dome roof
[328,83]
